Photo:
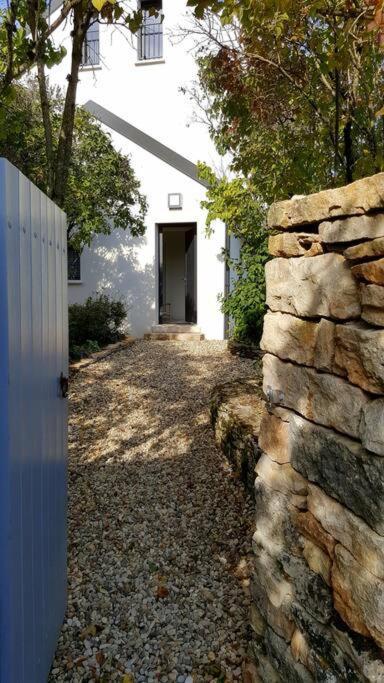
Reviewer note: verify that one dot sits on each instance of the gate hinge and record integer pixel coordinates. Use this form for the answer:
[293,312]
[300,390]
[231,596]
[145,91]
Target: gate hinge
[64,385]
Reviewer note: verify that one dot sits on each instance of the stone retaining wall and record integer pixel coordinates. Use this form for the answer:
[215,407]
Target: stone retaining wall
[236,411]
[318,587]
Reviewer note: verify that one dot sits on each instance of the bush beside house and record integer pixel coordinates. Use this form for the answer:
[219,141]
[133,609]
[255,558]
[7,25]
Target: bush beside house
[94,324]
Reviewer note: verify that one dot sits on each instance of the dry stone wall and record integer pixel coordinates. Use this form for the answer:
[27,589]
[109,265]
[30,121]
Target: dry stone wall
[318,585]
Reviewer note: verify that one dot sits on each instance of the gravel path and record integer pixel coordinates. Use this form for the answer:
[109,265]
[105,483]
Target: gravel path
[159,527]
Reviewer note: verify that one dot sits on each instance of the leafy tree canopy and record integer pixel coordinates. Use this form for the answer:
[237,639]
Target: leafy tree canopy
[103,192]
[293,91]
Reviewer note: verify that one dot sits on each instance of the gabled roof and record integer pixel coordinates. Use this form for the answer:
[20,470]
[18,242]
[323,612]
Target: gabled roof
[145,141]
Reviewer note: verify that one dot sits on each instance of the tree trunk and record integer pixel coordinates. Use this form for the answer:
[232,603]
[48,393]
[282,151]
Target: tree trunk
[348,151]
[81,21]
[337,122]
[47,123]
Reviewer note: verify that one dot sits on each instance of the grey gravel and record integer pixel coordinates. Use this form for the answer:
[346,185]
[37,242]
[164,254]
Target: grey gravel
[158,523]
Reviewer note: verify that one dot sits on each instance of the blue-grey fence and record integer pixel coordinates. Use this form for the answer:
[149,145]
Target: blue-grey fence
[33,427]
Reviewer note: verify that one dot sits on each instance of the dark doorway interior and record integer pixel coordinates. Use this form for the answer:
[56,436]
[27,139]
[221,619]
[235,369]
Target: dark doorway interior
[177,250]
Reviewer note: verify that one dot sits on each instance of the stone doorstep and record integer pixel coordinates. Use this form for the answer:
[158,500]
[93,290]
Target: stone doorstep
[178,328]
[100,355]
[174,336]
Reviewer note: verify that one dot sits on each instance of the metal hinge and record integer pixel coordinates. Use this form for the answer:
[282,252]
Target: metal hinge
[64,385]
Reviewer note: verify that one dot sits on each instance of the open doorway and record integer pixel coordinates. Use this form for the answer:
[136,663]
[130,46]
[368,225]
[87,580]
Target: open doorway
[177,258]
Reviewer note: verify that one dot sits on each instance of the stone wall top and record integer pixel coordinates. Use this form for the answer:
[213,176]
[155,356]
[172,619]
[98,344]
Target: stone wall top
[355,199]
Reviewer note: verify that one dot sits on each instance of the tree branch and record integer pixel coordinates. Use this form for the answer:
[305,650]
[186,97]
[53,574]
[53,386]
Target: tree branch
[47,124]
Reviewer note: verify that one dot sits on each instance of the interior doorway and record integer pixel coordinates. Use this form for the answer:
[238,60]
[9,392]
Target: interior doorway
[177,257]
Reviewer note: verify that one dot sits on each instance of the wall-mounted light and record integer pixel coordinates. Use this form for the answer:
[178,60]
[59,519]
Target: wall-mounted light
[175,201]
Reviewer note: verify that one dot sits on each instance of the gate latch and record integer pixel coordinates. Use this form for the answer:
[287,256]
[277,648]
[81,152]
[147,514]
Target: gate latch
[64,385]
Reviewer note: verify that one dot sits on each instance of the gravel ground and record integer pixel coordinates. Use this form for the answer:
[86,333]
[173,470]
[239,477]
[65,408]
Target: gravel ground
[159,527]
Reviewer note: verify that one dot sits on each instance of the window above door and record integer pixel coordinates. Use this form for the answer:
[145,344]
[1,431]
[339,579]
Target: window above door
[150,36]
[91,47]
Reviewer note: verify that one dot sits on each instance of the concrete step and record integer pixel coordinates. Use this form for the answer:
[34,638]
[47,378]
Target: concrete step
[176,328]
[174,336]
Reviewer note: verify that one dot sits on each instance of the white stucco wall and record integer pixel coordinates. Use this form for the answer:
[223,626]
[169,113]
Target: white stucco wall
[149,97]
[126,266]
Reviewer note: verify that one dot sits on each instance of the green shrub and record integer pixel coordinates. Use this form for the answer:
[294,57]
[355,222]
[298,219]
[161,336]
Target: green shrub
[95,323]
[236,203]
[84,350]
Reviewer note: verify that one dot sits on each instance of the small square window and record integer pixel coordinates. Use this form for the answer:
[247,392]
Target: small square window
[74,265]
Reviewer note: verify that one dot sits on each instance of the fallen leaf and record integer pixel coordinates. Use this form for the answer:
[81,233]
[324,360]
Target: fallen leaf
[100,658]
[90,631]
[162,592]
[128,678]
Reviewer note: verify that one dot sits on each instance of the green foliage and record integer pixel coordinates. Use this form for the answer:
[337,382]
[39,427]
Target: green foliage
[102,192]
[77,352]
[27,31]
[235,202]
[95,323]
[293,91]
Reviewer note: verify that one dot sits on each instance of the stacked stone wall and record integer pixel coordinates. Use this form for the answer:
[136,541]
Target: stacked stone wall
[318,585]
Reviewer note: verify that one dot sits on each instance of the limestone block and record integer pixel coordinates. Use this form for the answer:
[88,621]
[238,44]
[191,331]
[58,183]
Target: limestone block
[358,595]
[359,355]
[368,660]
[257,621]
[250,674]
[300,648]
[372,315]
[354,199]
[373,272]
[310,590]
[295,244]
[317,560]
[328,661]
[308,287]
[372,299]
[311,529]
[323,398]
[372,295]
[354,228]
[275,614]
[281,478]
[368,249]
[275,530]
[352,350]
[272,593]
[302,341]
[366,546]
[265,669]
[372,426]
[283,661]
[341,467]
[273,437]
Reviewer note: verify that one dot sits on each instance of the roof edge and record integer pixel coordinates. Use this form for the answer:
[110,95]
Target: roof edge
[166,154]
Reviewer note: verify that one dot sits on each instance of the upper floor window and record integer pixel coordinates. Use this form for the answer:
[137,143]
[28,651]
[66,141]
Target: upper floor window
[91,47]
[74,265]
[150,38]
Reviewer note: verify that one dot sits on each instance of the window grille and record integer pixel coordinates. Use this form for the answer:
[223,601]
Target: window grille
[74,265]
[91,46]
[150,37]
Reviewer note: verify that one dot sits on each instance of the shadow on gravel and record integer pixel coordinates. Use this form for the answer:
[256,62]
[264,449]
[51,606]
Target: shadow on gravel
[159,526]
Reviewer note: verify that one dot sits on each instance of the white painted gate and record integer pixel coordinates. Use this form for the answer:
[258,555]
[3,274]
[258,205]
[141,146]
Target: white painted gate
[33,427]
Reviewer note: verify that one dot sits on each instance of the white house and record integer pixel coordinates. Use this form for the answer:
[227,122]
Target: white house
[175,273]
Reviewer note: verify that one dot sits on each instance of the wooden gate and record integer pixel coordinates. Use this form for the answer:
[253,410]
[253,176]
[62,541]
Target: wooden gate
[33,427]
